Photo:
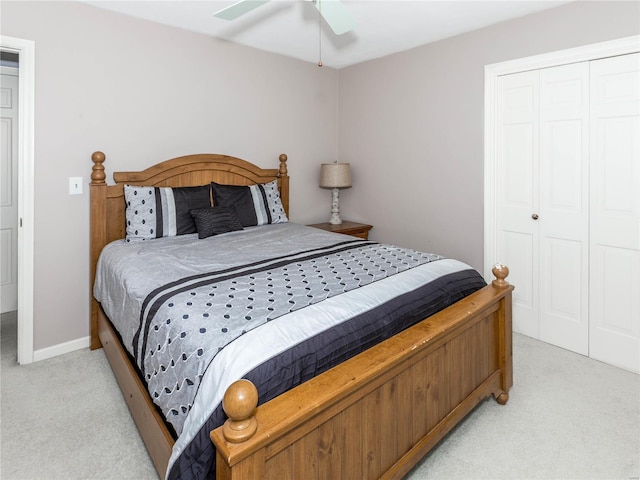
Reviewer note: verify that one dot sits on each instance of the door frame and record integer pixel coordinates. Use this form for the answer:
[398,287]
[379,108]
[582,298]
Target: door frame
[594,51]
[26,156]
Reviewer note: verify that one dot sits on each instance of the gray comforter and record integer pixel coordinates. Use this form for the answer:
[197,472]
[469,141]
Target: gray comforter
[198,314]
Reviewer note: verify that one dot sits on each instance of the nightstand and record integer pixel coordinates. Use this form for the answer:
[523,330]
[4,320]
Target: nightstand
[359,230]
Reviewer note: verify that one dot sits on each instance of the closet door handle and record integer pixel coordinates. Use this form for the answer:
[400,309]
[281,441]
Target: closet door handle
[534,216]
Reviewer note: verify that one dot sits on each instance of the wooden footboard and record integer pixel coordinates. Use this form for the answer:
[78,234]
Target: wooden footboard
[378,414]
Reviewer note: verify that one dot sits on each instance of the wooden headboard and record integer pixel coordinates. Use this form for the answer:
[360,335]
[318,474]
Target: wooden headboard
[107,216]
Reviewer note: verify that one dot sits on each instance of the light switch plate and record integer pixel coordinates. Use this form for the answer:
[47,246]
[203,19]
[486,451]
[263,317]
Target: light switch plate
[75,185]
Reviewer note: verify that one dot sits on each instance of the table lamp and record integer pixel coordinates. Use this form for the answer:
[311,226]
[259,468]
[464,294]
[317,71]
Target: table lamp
[335,176]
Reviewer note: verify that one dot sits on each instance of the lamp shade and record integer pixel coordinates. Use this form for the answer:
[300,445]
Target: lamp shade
[335,175]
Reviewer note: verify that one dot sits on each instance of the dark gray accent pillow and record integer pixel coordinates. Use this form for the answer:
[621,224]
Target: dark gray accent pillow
[215,220]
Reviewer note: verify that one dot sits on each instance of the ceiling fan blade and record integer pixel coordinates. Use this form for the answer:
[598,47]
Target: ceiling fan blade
[336,15]
[239,8]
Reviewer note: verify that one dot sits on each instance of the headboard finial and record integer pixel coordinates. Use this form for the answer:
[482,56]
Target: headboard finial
[283,165]
[97,171]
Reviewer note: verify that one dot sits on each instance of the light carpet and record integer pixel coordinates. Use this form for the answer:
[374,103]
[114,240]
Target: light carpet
[568,417]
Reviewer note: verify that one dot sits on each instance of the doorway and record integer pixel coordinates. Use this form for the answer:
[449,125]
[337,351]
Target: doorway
[25,51]
[9,68]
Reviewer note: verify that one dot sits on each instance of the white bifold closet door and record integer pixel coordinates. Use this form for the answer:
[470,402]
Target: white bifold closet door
[614,308]
[564,206]
[567,205]
[543,204]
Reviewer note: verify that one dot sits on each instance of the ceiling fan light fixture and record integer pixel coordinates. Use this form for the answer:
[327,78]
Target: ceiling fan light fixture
[238,9]
[334,13]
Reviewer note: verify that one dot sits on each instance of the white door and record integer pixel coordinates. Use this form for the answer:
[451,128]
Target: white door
[517,196]
[615,211]
[9,190]
[564,207]
[542,201]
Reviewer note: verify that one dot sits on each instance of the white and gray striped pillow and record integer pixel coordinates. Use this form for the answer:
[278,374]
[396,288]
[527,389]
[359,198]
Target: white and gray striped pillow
[155,212]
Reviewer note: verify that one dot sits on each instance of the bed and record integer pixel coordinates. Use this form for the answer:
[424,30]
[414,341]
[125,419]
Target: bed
[372,411]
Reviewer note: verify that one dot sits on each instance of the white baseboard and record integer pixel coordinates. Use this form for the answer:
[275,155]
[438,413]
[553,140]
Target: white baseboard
[61,349]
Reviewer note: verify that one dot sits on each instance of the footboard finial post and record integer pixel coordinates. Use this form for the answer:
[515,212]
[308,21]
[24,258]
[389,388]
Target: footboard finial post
[500,272]
[239,402]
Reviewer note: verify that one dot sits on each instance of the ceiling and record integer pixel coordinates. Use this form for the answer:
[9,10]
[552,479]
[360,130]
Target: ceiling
[293,27]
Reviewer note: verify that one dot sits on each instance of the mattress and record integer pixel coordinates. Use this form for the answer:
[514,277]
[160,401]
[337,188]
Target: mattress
[277,304]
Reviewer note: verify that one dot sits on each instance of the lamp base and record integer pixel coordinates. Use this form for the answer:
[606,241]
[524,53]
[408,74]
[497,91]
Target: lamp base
[335,207]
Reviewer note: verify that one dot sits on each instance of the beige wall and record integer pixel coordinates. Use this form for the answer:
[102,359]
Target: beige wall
[411,125]
[142,93]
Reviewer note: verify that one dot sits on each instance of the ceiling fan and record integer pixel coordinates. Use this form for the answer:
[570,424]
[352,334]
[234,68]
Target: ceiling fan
[333,12]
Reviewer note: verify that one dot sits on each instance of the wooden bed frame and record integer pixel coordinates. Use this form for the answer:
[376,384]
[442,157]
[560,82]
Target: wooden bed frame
[373,416]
